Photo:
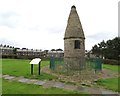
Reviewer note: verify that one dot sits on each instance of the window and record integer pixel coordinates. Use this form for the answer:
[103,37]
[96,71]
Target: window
[77,44]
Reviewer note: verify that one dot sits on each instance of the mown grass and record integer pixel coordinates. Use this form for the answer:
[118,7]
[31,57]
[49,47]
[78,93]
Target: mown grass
[110,83]
[20,67]
[14,87]
[111,67]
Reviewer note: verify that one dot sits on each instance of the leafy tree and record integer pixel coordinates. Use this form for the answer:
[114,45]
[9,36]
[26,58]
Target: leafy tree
[15,50]
[102,46]
[4,46]
[8,46]
[59,49]
[52,49]
[109,49]
[24,48]
[46,51]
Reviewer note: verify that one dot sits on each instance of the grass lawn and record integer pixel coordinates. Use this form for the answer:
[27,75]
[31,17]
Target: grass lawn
[20,67]
[111,67]
[110,83]
[14,87]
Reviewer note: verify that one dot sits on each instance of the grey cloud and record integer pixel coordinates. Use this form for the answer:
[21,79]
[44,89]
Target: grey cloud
[33,28]
[98,36]
[8,19]
[5,41]
[7,14]
[55,30]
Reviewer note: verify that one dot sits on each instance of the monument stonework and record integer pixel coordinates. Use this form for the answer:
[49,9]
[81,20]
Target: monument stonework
[74,42]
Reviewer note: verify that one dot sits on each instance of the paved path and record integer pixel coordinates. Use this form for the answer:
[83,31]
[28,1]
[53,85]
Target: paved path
[46,84]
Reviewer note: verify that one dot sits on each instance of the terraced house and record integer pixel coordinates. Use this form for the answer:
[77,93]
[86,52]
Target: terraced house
[11,52]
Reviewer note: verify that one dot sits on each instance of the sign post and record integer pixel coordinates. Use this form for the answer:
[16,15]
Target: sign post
[31,69]
[39,69]
[33,62]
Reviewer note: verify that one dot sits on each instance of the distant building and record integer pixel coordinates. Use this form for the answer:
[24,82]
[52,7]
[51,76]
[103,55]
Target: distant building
[55,54]
[6,51]
[27,53]
[20,53]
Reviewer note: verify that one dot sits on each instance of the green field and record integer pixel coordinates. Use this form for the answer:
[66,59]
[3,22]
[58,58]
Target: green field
[20,67]
[14,87]
[111,67]
[110,83]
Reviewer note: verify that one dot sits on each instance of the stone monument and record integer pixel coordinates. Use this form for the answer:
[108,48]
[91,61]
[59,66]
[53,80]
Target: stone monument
[74,42]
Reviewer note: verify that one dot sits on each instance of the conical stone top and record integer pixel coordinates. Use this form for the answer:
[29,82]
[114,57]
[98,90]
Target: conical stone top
[74,42]
[74,27]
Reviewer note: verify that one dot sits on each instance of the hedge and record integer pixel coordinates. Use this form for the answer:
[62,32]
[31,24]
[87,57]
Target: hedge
[112,62]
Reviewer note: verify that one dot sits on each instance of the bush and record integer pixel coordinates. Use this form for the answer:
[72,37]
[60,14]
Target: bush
[112,62]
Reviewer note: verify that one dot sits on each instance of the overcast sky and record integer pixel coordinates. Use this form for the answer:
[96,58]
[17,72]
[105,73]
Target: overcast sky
[41,24]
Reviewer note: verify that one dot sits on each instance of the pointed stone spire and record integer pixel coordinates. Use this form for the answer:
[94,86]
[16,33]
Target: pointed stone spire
[74,27]
[74,42]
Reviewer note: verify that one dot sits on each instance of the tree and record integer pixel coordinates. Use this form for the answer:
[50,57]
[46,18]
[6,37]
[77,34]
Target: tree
[46,51]
[10,46]
[102,46]
[52,49]
[95,50]
[7,46]
[4,46]
[59,49]
[109,49]
[15,50]
[24,48]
